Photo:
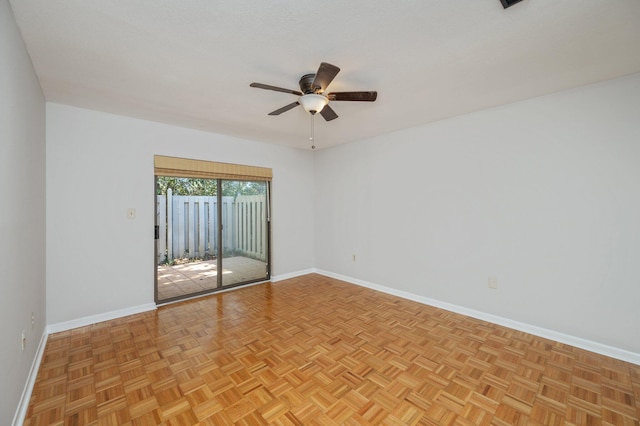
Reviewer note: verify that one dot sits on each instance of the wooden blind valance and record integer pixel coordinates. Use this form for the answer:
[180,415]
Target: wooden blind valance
[184,167]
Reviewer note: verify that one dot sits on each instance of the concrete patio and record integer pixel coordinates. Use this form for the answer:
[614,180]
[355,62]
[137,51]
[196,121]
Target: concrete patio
[188,278]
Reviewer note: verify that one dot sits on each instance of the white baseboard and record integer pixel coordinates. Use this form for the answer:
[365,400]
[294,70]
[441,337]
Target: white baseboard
[578,342]
[23,404]
[276,278]
[93,319]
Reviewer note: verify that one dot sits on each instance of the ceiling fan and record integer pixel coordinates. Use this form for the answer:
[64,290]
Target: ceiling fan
[312,94]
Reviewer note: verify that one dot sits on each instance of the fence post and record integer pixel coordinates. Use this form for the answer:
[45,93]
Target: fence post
[213,226]
[169,229]
[229,220]
[201,227]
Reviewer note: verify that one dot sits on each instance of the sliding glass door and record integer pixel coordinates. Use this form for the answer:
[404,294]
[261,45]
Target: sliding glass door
[210,234]
[245,232]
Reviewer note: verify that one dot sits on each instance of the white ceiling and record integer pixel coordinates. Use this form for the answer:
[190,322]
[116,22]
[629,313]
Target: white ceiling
[190,62]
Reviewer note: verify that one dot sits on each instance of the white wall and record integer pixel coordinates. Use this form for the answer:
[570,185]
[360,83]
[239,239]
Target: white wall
[22,213]
[543,194]
[99,164]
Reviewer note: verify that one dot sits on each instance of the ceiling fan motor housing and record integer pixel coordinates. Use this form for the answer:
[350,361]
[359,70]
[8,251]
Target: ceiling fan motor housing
[306,81]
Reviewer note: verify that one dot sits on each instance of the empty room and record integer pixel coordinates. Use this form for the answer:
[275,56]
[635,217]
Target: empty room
[296,213]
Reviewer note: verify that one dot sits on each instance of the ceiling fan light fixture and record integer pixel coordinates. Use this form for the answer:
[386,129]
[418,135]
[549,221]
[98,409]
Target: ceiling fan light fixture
[313,103]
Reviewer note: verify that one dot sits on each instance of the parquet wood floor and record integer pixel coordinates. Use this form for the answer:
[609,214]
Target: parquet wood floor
[317,351]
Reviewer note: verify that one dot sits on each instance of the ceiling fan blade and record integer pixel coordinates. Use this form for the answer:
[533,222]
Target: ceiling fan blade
[285,108]
[277,89]
[328,113]
[324,76]
[353,96]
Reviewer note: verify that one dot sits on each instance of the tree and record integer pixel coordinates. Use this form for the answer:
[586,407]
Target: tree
[208,187]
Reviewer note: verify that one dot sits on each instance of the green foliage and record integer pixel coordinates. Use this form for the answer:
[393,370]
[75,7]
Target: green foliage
[233,188]
[208,187]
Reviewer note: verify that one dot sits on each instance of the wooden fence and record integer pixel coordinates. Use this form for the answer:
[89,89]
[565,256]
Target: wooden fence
[190,225]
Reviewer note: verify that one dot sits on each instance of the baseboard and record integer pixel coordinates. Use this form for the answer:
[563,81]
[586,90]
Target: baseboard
[93,319]
[578,342]
[23,404]
[276,278]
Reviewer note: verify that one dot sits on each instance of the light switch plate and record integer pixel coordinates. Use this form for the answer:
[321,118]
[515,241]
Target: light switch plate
[493,282]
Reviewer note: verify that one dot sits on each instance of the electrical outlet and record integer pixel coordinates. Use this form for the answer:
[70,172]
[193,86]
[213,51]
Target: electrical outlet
[493,282]
[33,320]
[23,340]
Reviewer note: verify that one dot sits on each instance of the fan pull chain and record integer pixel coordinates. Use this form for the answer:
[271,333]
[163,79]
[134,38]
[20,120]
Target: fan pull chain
[312,137]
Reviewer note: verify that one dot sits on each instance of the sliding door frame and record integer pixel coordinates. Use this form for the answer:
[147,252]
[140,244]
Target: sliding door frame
[219,255]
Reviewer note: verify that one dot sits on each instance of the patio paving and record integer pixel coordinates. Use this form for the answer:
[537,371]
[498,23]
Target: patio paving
[178,280]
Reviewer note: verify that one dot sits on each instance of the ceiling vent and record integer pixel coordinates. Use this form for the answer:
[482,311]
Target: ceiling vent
[509,3]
